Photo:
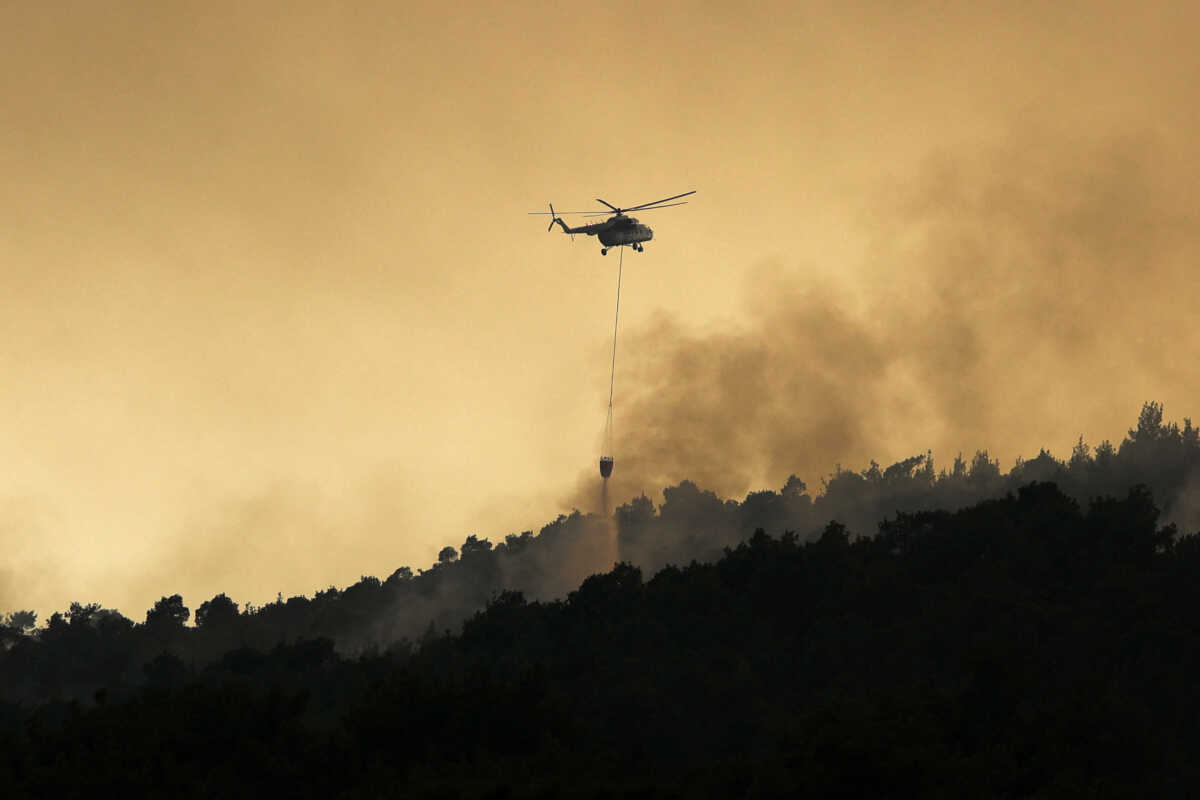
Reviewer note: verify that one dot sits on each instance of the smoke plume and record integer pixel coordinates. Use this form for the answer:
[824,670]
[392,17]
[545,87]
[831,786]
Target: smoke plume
[1003,303]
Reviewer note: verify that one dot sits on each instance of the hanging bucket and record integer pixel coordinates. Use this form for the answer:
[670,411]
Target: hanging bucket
[606,465]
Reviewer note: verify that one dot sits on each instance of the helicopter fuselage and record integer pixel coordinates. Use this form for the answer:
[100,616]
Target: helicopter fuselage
[615,231]
[626,230]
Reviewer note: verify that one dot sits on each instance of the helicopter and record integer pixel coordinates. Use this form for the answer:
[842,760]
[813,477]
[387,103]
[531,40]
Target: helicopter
[618,230]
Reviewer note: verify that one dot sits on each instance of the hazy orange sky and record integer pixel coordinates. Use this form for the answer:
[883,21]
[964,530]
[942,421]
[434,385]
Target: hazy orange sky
[272,314]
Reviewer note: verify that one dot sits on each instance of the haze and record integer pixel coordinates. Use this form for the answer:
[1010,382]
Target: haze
[272,315]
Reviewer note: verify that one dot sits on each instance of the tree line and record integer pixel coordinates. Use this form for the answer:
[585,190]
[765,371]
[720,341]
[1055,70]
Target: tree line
[89,646]
[1022,646]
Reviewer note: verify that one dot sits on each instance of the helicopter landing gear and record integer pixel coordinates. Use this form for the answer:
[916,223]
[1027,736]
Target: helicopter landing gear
[603,251]
[639,248]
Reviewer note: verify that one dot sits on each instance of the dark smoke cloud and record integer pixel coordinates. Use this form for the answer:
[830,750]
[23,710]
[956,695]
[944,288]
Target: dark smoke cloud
[1011,298]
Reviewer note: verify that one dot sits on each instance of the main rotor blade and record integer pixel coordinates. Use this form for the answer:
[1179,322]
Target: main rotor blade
[664,203]
[644,208]
[655,208]
[656,202]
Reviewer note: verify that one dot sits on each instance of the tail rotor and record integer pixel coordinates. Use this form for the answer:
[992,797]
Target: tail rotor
[553,219]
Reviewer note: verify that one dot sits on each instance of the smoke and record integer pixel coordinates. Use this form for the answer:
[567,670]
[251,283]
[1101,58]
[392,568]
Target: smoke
[1011,298]
[290,538]
[27,576]
[1184,512]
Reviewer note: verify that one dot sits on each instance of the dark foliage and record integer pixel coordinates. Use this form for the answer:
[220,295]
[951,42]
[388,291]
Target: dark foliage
[1020,646]
[690,525]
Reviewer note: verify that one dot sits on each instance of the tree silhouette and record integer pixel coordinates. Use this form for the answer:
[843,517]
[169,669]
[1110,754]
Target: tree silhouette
[215,613]
[169,611]
[473,545]
[20,621]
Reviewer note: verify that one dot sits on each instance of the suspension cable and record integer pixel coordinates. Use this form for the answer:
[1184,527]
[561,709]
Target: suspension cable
[613,376]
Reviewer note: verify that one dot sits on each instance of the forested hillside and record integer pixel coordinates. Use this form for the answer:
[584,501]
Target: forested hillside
[88,645]
[905,631]
[1020,647]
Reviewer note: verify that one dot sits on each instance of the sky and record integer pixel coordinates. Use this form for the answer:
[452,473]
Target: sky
[273,315]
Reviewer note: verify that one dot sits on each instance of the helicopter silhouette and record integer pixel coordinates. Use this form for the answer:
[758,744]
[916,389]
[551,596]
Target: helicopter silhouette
[618,230]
